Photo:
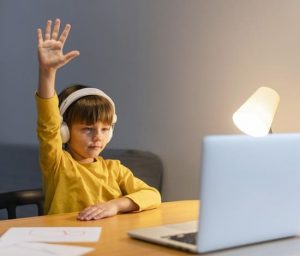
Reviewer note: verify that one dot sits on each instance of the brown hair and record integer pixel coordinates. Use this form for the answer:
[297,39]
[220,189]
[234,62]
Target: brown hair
[88,109]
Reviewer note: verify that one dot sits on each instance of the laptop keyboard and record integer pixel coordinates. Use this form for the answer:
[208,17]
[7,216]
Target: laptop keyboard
[189,238]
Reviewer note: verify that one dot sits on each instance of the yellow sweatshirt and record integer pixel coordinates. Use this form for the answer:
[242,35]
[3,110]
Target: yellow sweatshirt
[71,186]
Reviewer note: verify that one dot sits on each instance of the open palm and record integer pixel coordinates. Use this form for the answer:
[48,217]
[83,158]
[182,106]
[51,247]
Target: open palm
[50,48]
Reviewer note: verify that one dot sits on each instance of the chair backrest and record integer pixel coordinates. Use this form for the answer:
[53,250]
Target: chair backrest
[144,165]
[10,201]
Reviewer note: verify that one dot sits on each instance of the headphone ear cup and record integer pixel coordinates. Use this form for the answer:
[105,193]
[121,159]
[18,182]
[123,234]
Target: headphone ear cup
[110,134]
[64,132]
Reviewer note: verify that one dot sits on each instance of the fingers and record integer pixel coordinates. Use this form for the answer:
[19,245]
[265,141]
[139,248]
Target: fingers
[65,34]
[86,211]
[89,213]
[50,46]
[48,30]
[56,29]
[39,36]
[54,35]
[96,212]
[71,55]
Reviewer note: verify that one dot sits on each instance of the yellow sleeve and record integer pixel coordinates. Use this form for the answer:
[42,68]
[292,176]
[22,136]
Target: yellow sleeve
[143,195]
[48,132]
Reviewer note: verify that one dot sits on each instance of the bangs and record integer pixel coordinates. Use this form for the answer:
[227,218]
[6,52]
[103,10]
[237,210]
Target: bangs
[90,110]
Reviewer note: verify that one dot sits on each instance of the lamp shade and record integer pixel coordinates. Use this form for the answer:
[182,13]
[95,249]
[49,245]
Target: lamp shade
[255,116]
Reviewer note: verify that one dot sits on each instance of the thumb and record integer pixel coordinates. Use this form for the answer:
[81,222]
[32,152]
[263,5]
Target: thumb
[71,55]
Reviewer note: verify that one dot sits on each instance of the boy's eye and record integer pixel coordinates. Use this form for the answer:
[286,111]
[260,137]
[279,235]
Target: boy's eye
[87,129]
[104,130]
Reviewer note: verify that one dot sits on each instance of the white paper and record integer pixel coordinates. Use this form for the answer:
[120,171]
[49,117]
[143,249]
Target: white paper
[52,234]
[41,249]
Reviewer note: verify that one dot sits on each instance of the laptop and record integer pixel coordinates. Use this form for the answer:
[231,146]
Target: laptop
[250,193]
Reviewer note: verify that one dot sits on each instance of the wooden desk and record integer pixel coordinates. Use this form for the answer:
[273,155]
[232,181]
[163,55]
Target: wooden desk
[114,239]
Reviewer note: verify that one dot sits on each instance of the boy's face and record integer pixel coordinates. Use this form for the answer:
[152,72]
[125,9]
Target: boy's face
[87,141]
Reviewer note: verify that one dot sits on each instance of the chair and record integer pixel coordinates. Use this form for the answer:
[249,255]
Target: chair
[145,165]
[10,201]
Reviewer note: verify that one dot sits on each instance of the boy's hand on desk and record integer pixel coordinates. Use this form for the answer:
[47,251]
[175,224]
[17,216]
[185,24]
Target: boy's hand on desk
[107,209]
[99,211]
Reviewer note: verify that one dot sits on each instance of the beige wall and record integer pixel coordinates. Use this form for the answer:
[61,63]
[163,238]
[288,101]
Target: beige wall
[176,69]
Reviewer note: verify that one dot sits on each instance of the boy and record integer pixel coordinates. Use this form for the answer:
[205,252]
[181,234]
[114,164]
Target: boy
[76,178]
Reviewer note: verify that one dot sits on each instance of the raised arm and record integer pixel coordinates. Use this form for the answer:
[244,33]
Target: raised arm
[51,56]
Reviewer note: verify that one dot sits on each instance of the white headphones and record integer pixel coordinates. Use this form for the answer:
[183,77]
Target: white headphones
[64,129]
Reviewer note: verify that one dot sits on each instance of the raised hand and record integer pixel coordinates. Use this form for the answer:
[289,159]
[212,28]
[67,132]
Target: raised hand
[50,47]
[51,56]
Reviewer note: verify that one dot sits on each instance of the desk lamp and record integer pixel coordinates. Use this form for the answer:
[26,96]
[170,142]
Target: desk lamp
[255,116]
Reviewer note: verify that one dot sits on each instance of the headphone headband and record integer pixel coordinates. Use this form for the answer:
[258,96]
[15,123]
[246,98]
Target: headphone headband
[82,93]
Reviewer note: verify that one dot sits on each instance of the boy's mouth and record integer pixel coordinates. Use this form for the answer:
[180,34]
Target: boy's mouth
[95,147]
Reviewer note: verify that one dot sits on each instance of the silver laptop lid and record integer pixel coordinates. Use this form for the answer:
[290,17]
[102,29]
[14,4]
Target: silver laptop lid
[250,190]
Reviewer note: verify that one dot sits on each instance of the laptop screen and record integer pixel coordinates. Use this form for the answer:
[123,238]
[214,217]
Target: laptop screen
[250,190]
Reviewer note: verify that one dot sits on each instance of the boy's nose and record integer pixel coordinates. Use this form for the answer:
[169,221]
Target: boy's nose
[98,135]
